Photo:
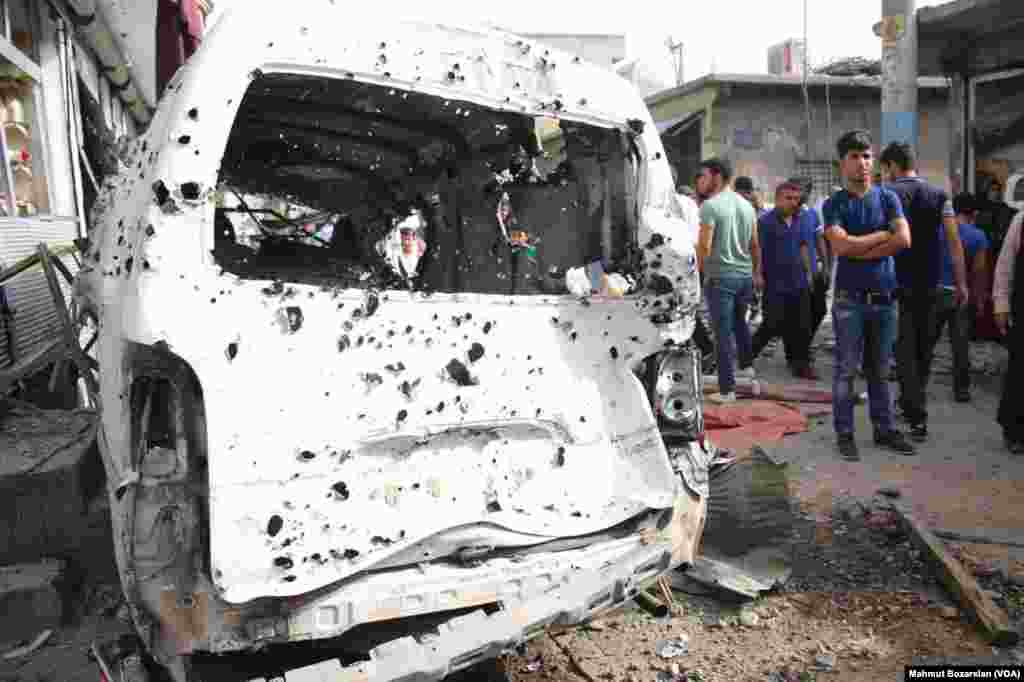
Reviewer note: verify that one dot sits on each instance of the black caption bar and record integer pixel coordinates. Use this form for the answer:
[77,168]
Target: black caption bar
[963,672]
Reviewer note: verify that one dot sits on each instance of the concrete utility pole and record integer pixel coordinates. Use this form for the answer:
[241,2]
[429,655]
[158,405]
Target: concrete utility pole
[898,31]
[676,50]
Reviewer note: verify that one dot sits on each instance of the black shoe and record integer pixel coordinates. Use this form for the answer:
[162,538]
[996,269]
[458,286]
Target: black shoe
[1016,447]
[895,441]
[919,432]
[963,396]
[708,363]
[847,447]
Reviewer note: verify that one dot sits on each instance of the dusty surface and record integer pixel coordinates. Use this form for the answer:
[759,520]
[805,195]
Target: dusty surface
[868,634]
[859,591]
[30,437]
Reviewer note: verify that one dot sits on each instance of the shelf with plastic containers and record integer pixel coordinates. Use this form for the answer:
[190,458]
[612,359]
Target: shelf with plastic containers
[23,185]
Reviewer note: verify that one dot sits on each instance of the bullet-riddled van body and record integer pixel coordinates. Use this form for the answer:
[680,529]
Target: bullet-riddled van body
[394,360]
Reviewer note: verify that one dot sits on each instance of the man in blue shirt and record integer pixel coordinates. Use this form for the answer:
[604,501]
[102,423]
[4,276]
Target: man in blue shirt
[948,312]
[865,226]
[821,261]
[786,237]
[930,213]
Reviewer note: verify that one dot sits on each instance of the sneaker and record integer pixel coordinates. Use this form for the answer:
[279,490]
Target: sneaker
[746,373]
[847,447]
[919,432]
[895,441]
[723,398]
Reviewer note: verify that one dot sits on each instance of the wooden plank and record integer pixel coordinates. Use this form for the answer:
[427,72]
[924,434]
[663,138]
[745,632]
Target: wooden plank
[32,261]
[31,364]
[791,393]
[992,620]
[981,538]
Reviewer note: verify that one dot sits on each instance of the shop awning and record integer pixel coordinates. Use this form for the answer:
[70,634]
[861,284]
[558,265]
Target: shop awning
[679,124]
[970,37]
[124,37]
[123,68]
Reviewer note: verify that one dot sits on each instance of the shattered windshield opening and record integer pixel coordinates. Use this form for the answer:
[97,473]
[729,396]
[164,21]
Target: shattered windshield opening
[354,185]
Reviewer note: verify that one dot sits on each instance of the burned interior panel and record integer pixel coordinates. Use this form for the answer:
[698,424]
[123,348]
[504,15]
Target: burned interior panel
[368,163]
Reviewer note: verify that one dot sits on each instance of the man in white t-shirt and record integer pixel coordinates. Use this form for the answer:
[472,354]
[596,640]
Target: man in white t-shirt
[702,335]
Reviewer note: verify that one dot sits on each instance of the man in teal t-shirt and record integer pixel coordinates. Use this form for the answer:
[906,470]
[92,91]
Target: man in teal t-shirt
[729,258]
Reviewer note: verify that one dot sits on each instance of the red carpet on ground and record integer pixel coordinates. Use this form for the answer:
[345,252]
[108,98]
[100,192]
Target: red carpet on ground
[741,425]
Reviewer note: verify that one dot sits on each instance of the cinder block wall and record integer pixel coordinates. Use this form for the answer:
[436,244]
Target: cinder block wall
[763,129]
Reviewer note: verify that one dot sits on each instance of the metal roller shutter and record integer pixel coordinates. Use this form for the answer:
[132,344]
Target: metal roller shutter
[35,319]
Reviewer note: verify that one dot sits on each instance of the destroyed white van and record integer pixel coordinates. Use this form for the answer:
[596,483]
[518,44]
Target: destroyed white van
[394,360]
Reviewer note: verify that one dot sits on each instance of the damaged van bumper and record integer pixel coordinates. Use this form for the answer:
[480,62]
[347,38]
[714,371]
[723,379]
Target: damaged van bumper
[525,597]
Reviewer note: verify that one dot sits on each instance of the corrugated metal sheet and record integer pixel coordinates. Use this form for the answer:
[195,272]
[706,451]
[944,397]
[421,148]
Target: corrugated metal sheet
[35,319]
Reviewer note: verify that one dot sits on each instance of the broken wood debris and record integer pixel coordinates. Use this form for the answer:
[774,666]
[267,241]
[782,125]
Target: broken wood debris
[993,621]
[36,643]
[651,604]
[981,538]
[721,576]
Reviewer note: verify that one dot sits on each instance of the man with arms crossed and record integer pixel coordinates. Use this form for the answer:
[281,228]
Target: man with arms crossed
[865,226]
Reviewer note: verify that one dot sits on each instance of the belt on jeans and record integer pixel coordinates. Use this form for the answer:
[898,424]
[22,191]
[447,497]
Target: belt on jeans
[866,297]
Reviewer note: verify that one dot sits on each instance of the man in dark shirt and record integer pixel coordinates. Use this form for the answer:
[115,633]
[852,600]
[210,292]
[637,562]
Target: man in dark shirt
[958,317]
[918,271]
[865,226]
[821,260]
[786,237]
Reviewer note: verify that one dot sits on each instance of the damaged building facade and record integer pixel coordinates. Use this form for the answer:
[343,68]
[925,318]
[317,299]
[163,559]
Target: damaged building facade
[376,370]
[975,45]
[78,78]
[759,122]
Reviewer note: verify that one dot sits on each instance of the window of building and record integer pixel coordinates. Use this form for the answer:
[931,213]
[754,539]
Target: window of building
[23,182]
[823,174]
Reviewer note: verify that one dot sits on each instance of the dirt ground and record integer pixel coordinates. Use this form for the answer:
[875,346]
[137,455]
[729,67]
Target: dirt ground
[861,602]
[855,636]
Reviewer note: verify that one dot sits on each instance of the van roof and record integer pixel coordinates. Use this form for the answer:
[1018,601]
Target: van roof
[484,65]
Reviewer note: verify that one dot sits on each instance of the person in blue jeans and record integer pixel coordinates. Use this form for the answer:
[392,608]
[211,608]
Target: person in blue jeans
[865,226]
[949,312]
[728,255]
[786,238]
